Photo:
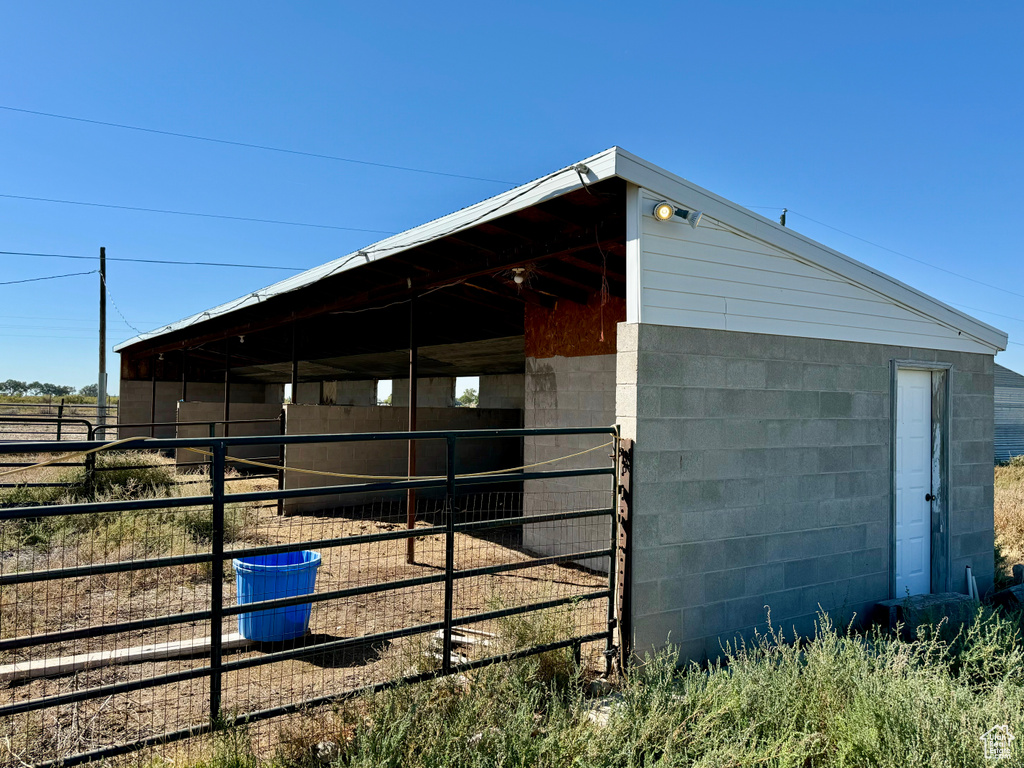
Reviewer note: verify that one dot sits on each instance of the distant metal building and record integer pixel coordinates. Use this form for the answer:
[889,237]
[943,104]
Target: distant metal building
[1009,408]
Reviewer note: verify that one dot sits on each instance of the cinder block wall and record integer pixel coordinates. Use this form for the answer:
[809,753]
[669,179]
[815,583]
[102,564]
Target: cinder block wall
[431,392]
[214,411]
[502,391]
[136,399]
[568,392]
[388,457]
[350,392]
[761,477]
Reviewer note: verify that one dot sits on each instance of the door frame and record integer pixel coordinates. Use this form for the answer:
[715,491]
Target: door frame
[941,470]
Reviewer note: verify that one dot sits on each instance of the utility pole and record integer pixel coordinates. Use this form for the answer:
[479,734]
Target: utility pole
[101,384]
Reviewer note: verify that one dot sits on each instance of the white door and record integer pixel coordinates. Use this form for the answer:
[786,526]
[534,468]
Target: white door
[913,482]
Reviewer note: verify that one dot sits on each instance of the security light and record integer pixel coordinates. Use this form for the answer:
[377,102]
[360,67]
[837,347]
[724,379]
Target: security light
[517,277]
[664,211]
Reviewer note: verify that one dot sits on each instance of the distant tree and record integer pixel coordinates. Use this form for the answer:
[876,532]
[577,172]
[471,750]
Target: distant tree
[90,390]
[469,398]
[386,400]
[13,387]
[35,388]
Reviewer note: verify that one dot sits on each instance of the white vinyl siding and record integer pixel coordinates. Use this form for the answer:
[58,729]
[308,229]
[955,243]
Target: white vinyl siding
[717,277]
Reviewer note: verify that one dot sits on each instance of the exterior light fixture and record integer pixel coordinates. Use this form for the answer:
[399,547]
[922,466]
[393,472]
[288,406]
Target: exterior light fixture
[664,211]
[241,339]
[517,275]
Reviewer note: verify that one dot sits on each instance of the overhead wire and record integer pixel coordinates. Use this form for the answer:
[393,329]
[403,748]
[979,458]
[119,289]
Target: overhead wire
[248,145]
[911,258]
[48,277]
[150,261]
[194,213]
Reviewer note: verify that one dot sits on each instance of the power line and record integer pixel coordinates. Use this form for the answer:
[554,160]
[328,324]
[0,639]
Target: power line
[193,213]
[247,145]
[110,296]
[49,277]
[912,258]
[150,261]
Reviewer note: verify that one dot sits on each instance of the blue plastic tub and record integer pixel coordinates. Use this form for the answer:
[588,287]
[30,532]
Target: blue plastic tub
[269,577]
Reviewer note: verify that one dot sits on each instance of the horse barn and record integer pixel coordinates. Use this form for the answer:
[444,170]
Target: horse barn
[806,431]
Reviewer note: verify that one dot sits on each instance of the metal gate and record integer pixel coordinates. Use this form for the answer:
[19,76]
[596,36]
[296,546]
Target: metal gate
[82,611]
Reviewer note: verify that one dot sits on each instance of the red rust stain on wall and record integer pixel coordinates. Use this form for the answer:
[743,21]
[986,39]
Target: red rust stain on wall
[573,330]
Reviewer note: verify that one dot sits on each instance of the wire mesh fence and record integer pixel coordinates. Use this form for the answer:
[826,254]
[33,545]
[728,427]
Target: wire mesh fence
[125,620]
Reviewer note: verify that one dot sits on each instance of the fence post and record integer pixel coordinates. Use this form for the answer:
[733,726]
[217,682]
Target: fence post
[60,417]
[449,557]
[623,549]
[90,465]
[280,464]
[216,580]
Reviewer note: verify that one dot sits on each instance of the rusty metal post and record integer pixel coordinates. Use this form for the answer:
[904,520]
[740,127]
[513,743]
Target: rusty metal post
[152,398]
[227,385]
[295,364]
[410,494]
[280,462]
[60,417]
[184,375]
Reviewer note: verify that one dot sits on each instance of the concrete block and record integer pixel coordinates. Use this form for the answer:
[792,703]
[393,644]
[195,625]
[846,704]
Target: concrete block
[687,402]
[724,585]
[820,377]
[836,405]
[800,573]
[783,374]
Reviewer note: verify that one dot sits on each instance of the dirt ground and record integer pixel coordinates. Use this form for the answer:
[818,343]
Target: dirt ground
[89,601]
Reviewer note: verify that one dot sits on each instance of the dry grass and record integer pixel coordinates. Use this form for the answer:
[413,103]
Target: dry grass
[1009,514]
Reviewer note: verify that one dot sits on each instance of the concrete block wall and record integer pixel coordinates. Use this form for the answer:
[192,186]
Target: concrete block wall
[568,392]
[431,392]
[136,399]
[307,393]
[189,411]
[388,457]
[762,477]
[502,391]
[350,393]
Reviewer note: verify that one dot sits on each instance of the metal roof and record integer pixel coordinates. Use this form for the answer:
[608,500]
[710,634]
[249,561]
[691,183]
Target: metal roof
[613,162]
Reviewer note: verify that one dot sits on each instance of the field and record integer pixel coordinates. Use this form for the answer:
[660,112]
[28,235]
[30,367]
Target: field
[1009,511]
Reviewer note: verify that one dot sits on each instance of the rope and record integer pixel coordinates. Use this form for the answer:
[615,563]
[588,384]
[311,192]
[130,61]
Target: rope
[303,471]
[42,464]
[325,473]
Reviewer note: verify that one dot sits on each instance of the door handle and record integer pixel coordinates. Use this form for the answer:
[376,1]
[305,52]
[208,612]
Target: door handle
[929,497]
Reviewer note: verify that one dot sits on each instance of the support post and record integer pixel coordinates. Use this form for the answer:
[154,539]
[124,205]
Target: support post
[280,462]
[60,417]
[217,581]
[227,385]
[410,494]
[449,556]
[152,397]
[295,363]
[184,375]
[101,382]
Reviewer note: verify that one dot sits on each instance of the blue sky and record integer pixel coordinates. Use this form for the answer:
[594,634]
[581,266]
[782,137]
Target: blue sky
[900,125]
